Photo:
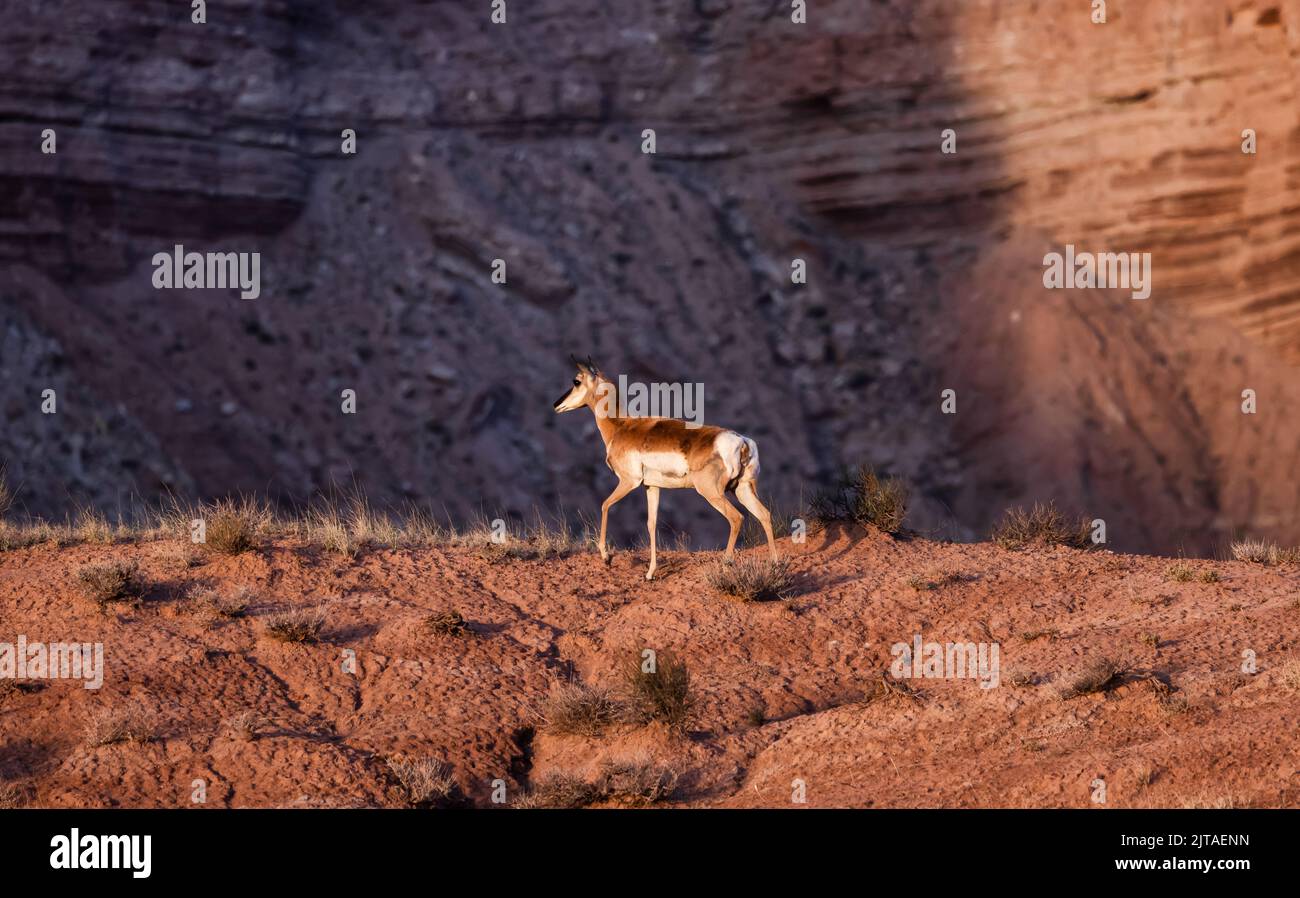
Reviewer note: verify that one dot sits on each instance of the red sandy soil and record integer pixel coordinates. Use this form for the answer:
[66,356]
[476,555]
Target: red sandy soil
[1186,727]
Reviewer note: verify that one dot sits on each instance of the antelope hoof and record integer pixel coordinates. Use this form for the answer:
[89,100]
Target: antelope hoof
[650,574]
[605,557]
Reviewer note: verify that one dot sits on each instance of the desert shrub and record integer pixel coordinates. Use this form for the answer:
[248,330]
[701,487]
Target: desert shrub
[425,781]
[1260,551]
[662,693]
[447,623]
[575,709]
[233,526]
[752,578]
[1181,572]
[862,497]
[1098,676]
[630,781]
[114,581]
[128,723]
[215,604]
[299,625]
[636,781]
[1042,523]
[245,724]
[561,791]
[12,797]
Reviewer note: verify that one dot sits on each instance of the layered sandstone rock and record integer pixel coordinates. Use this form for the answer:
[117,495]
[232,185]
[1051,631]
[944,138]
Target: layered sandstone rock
[775,141]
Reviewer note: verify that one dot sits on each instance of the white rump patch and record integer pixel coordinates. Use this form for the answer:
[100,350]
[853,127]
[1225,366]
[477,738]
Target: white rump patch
[729,446]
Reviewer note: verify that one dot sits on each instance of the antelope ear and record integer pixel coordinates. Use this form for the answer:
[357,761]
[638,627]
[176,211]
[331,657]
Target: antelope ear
[592,366]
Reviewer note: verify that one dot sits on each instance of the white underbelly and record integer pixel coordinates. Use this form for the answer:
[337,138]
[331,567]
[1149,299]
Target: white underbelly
[663,469]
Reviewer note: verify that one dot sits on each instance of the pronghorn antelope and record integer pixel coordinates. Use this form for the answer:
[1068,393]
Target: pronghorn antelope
[665,453]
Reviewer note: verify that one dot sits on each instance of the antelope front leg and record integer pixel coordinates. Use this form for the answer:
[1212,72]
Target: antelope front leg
[624,487]
[651,519]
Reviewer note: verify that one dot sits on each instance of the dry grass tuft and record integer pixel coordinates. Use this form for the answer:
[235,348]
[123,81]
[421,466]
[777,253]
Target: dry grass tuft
[297,625]
[752,578]
[244,725]
[1258,551]
[447,623]
[129,723]
[559,791]
[887,688]
[1181,572]
[12,797]
[217,605]
[114,581]
[1042,524]
[575,709]
[234,526]
[1098,676]
[427,782]
[635,781]
[862,497]
[932,580]
[657,688]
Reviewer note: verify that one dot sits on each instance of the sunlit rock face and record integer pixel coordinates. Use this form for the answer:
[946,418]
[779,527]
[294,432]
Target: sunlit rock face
[774,142]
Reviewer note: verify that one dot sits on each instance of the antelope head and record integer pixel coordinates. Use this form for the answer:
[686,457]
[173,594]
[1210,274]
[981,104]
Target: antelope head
[585,387]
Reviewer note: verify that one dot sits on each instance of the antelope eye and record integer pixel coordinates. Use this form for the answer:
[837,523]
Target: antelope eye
[576,381]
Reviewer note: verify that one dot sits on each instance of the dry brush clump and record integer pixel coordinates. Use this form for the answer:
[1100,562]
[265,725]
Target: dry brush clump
[230,526]
[447,623]
[657,687]
[1258,551]
[296,625]
[635,782]
[864,498]
[1099,676]
[1044,524]
[113,581]
[129,723]
[425,781]
[12,797]
[752,578]
[576,709]
[245,724]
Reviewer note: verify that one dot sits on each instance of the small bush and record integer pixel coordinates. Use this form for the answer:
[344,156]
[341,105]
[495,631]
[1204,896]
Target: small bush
[130,723]
[663,693]
[114,581]
[1099,676]
[575,709]
[233,526]
[636,781]
[299,625]
[1260,551]
[217,605]
[11,797]
[244,725]
[559,791]
[1042,523]
[426,781]
[862,497]
[752,578]
[1181,572]
[932,580]
[447,623]
[1209,576]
